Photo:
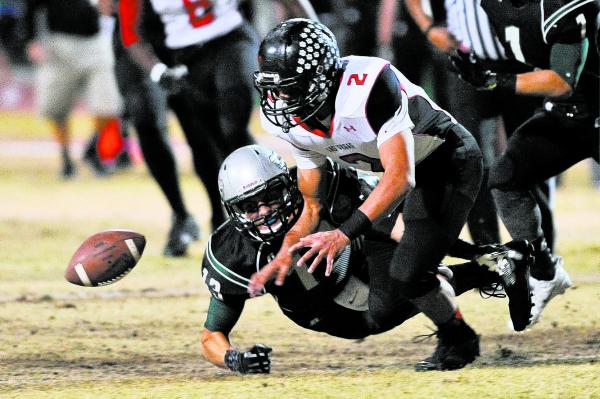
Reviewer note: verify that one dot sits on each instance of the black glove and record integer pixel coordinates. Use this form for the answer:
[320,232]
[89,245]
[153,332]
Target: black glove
[171,79]
[468,68]
[256,360]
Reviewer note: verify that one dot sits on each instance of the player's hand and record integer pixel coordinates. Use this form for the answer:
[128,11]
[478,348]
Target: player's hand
[469,69]
[281,265]
[172,79]
[325,244]
[442,39]
[256,360]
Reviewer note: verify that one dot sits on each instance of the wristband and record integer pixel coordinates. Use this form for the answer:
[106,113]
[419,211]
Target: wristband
[355,225]
[507,83]
[232,360]
[157,71]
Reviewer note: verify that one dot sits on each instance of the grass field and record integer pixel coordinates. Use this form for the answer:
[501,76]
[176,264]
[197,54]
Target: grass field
[139,337]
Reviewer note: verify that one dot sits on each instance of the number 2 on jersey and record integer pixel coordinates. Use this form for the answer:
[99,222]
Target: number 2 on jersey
[200,12]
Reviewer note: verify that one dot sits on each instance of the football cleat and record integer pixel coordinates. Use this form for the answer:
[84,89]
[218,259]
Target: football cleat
[68,171]
[544,290]
[512,261]
[458,345]
[183,232]
[92,158]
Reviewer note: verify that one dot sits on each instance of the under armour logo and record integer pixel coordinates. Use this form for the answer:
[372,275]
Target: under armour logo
[349,128]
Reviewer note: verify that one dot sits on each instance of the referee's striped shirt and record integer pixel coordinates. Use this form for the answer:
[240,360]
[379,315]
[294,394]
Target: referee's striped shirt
[470,25]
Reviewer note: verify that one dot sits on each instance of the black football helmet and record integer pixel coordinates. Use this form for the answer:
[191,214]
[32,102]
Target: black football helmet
[252,175]
[298,61]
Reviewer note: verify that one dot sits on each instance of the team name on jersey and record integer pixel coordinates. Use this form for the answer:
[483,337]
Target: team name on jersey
[339,147]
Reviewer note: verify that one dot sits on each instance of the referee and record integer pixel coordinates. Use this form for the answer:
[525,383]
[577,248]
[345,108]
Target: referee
[467,25]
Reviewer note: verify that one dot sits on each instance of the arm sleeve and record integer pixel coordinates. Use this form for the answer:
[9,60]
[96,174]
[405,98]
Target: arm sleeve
[568,60]
[129,19]
[387,107]
[223,316]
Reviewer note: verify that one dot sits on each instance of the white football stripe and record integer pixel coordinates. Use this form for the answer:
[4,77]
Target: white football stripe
[133,249]
[82,275]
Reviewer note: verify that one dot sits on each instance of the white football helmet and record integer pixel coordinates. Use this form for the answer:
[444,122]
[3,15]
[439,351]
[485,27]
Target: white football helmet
[254,175]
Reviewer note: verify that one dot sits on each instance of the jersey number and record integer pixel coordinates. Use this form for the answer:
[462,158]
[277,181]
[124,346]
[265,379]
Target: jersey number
[200,12]
[375,163]
[358,81]
[214,285]
[513,38]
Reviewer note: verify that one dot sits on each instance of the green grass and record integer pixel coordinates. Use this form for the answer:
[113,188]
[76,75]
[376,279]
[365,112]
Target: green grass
[139,337]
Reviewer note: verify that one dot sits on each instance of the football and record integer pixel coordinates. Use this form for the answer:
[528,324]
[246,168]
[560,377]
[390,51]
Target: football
[105,257]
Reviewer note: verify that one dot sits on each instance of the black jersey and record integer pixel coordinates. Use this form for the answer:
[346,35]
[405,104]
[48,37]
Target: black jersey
[529,32]
[231,258]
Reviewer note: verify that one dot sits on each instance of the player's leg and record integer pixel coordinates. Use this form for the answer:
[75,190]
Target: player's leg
[515,111]
[476,111]
[434,214]
[146,104]
[234,89]
[57,85]
[543,147]
[197,120]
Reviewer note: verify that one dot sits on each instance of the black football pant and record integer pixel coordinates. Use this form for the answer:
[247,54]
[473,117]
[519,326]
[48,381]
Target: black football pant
[434,213]
[546,145]
[336,320]
[478,111]
[145,106]
[218,105]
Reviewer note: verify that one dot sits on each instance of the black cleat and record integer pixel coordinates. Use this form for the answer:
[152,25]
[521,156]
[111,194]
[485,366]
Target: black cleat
[458,345]
[68,170]
[511,261]
[183,232]
[123,160]
[92,158]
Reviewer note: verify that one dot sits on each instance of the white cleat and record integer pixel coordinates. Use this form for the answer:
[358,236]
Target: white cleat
[544,290]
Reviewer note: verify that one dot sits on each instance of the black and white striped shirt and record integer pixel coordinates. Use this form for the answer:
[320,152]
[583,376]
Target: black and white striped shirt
[470,25]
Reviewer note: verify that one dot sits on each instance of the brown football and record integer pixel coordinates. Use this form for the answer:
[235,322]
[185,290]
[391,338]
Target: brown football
[105,257]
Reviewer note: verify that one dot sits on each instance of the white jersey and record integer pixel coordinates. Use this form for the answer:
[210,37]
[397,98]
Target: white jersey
[190,22]
[351,139]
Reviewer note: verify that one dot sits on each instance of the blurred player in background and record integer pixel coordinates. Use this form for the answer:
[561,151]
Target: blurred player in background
[75,55]
[558,38]
[145,109]
[212,54]
[263,202]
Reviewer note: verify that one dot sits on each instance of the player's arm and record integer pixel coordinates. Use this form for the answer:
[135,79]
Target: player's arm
[310,184]
[436,34]
[569,48]
[216,347]
[566,64]
[171,79]
[387,112]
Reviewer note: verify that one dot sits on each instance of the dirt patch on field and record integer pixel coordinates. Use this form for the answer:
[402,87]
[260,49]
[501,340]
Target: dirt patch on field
[71,349]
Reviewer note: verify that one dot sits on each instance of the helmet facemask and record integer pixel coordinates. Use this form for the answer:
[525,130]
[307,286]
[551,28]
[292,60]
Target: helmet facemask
[279,194]
[290,102]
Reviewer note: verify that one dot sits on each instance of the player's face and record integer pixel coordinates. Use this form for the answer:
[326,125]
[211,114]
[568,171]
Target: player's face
[260,206]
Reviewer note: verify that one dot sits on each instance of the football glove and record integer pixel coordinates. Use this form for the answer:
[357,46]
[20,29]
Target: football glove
[256,360]
[171,79]
[469,69]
